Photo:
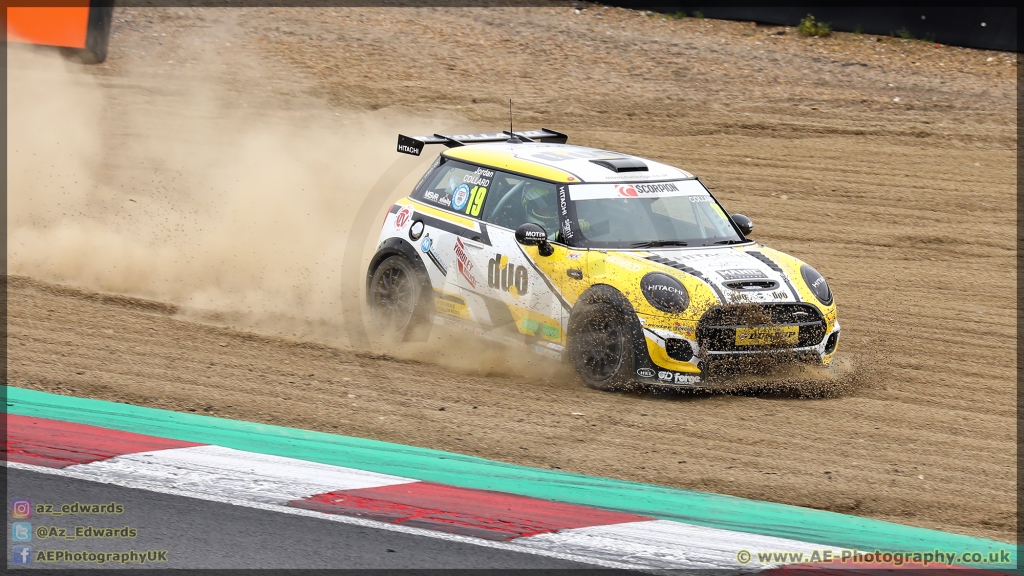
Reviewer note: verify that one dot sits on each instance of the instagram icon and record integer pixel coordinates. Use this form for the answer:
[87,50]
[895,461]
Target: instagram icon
[21,508]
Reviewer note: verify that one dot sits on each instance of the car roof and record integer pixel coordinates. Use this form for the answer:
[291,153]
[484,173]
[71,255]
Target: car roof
[563,162]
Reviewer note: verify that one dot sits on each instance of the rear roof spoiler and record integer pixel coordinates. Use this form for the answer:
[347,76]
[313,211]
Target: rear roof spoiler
[414,144]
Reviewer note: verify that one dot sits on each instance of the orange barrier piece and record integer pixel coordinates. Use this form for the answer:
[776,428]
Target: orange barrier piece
[50,26]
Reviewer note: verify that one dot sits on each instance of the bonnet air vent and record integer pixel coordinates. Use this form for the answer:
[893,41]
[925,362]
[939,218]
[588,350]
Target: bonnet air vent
[622,164]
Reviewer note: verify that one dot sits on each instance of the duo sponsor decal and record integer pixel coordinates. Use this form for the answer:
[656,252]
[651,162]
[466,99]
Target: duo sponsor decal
[507,277]
[465,264]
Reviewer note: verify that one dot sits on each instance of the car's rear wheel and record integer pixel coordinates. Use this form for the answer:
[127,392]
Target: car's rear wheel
[395,291]
[601,346]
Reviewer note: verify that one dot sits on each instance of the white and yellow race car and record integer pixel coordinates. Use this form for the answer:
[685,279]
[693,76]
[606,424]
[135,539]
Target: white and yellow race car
[628,269]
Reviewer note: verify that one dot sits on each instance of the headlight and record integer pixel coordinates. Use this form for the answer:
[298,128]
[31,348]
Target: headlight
[664,292]
[816,282]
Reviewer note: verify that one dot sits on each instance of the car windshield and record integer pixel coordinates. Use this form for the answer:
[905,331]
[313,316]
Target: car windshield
[642,215]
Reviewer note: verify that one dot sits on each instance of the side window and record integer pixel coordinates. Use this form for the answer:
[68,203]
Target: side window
[517,200]
[458,187]
[500,188]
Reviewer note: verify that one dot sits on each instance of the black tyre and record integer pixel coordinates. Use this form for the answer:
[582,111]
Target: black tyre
[395,292]
[601,345]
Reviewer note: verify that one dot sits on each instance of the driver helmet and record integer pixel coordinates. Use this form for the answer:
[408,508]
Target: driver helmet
[540,207]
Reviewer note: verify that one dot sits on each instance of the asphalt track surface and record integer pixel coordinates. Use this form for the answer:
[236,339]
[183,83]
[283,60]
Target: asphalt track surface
[200,534]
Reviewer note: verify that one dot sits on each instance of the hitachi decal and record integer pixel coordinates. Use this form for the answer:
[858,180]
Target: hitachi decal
[563,207]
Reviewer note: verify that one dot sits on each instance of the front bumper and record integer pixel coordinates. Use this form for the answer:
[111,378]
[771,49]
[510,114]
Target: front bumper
[716,356]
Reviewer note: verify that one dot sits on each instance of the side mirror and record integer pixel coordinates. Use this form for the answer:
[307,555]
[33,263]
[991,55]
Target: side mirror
[531,234]
[746,225]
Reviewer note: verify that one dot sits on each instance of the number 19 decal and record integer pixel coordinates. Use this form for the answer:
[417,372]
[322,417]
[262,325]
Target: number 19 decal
[476,200]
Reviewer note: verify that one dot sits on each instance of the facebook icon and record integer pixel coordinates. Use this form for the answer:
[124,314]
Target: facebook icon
[21,555]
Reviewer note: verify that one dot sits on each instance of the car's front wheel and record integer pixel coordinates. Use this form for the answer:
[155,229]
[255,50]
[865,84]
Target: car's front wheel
[395,291]
[601,346]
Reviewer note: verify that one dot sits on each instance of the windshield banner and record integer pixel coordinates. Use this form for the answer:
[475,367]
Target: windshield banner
[638,190]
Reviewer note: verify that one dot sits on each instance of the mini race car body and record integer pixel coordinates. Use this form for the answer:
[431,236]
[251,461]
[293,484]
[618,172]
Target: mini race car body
[628,268]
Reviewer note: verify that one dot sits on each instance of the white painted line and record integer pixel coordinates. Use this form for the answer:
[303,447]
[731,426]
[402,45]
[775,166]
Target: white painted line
[119,480]
[229,473]
[663,544]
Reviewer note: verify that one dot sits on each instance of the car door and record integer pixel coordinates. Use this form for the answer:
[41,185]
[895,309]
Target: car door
[517,276]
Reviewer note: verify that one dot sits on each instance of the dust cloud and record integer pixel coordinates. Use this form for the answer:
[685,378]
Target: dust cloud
[236,217]
[239,219]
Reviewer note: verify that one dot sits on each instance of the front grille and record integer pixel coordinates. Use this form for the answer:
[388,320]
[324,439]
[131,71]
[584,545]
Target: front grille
[716,331]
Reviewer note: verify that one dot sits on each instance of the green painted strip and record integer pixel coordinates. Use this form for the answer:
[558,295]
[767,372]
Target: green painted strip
[700,508]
